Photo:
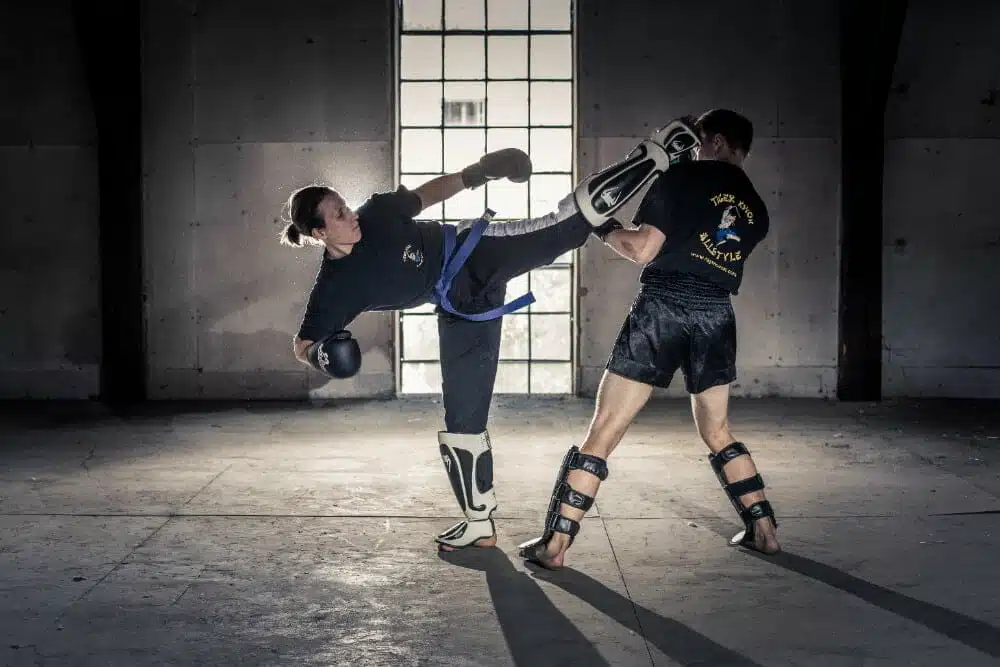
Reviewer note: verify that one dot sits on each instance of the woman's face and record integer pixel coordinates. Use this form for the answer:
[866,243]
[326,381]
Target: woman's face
[341,223]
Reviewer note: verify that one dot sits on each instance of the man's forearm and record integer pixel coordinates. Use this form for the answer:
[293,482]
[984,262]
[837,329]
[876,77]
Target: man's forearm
[438,189]
[626,242]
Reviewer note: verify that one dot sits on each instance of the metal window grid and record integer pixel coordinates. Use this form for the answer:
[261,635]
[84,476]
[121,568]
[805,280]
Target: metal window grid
[556,266]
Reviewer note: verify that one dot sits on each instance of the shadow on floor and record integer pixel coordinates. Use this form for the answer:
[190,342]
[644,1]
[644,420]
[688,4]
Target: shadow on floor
[972,632]
[534,628]
[673,638]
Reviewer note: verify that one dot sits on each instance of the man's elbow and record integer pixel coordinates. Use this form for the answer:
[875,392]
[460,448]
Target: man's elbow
[649,248]
[645,255]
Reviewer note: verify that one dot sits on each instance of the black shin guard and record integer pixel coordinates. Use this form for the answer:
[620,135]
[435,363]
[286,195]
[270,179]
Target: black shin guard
[562,492]
[736,489]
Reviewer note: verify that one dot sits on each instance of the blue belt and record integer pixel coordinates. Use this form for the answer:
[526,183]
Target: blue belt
[453,262]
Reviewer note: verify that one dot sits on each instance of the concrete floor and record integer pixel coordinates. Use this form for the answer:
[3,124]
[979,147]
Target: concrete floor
[261,534]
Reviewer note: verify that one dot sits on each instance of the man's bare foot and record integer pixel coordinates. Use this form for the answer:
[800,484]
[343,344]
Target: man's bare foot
[551,554]
[482,542]
[765,536]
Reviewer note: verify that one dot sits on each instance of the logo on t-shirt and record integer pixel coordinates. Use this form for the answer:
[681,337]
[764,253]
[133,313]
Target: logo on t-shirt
[411,254]
[723,243]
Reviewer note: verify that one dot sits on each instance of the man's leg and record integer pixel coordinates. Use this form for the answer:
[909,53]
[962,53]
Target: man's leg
[646,354]
[469,355]
[736,471]
[708,373]
[619,400]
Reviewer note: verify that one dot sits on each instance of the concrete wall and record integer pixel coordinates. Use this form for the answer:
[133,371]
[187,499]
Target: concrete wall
[50,322]
[778,64]
[941,311]
[245,103]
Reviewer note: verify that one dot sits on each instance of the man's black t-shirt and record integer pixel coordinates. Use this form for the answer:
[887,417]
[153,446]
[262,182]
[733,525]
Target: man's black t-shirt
[712,217]
[394,266]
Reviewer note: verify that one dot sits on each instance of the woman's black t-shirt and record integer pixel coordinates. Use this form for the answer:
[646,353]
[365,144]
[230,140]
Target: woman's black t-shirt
[394,266]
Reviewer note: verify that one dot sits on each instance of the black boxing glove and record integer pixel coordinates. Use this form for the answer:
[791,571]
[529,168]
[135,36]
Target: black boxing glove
[510,163]
[338,355]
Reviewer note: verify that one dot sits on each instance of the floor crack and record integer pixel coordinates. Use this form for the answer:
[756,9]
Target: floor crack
[89,457]
[114,569]
[208,483]
[628,593]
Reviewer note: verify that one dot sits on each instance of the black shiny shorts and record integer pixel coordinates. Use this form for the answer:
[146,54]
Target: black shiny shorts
[665,331]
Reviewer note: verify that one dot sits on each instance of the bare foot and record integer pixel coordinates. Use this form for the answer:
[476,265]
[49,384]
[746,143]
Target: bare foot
[765,536]
[552,554]
[482,542]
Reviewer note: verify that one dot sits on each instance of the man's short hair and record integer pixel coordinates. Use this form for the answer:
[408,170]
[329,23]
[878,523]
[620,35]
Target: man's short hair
[735,128]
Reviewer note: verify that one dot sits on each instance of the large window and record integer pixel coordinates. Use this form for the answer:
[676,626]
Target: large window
[476,76]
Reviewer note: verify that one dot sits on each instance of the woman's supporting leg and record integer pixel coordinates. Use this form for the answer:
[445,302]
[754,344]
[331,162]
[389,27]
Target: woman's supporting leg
[470,352]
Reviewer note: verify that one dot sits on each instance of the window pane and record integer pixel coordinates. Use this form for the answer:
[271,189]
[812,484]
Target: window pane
[503,137]
[552,149]
[412,182]
[512,378]
[508,57]
[420,57]
[551,103]
[551,379]
[420,103]
[514,335]
[422,308]
[565,258]
[464,103]
[464,15]
[550,337]
[516,287]
[464,57]
[421,378]
[550,14]
[420,150]
[546,192]
[552,288]
[420,337]
[551,57]
[509,200]
[467,204]
[507,103]
[462,147]
[508,15]
[421,14]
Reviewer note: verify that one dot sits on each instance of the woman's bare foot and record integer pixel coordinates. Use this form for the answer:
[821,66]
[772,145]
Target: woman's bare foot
[482,542]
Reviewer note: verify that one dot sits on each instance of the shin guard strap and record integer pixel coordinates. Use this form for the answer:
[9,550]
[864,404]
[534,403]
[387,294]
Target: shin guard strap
[724,456]
[758,510]
[581,501]
[577,460]
[560,524]
[745,486]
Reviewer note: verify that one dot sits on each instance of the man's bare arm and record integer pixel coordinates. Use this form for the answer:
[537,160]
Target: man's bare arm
[639,245]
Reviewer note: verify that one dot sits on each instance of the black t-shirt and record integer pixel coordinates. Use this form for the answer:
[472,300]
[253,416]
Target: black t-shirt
[394,266]
[712,217]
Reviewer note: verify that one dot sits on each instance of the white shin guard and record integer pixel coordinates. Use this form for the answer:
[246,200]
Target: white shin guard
[468,460]
[602,194]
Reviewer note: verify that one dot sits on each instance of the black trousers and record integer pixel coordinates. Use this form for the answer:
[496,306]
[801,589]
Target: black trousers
[470,351]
